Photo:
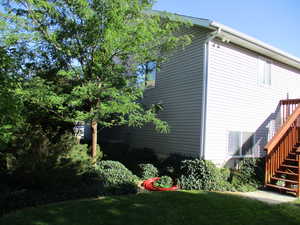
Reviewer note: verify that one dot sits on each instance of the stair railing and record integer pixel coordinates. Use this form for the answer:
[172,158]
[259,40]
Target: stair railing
[287,107]
[284,142]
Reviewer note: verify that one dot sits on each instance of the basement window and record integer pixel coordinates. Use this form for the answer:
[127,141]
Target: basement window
[264,72]
[240,143]
[146,75]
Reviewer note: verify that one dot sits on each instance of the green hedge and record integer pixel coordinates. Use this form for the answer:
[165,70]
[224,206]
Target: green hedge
[115,178]
[250,174]
[146,171]
[164,182]
[199,174]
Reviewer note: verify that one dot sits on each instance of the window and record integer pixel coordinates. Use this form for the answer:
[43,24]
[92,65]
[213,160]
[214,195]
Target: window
[146,75]
[240,143]
[264,72]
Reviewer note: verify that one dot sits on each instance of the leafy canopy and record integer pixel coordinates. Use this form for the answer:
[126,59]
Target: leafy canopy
[80,57]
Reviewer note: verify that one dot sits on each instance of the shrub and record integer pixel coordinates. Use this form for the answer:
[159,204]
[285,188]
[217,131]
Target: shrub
[250,174]
[164,182]
[225,173]
[171,165]
[146,171]
[202,175]
[54,165]
[115,178]
[109,164]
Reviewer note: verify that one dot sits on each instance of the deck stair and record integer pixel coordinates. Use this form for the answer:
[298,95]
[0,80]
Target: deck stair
[283,151]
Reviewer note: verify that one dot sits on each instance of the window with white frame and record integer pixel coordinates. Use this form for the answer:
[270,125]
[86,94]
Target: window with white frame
[264,72]
[240,143]
[146,74]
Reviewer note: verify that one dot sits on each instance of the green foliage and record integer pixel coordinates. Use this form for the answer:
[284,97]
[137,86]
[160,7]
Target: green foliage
[199,174]
[164,182]
[115,178]
[43,164]
[110,165]
[171,165]
[81,60]
[225,173]
[11,107]
[146,171]
[250,174]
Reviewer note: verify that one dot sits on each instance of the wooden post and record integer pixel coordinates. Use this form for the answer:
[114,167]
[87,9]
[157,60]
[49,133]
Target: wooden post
[94,139]
[298,187]
[266,170]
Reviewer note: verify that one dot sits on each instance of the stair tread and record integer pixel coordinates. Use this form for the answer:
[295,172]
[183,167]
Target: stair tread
[290,166]
[289,159]
[285,172]
[283,188]
[286,180]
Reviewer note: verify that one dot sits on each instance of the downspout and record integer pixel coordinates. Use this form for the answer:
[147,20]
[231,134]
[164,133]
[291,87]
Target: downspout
[210,37]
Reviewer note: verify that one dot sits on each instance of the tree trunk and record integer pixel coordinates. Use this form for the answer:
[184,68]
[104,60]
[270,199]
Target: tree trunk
[94,139]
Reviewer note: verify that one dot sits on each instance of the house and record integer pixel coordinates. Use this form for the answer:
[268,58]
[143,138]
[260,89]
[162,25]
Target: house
[224,97]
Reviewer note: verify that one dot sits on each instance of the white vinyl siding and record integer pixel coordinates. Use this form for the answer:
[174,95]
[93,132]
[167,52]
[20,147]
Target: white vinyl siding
[178,88]
[235,101]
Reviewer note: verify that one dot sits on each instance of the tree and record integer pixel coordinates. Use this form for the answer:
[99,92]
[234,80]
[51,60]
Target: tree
[86,55]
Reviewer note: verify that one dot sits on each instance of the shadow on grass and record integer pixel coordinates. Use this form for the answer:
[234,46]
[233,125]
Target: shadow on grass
[184,208]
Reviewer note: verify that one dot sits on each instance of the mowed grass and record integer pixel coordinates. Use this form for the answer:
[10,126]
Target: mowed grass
[160,208]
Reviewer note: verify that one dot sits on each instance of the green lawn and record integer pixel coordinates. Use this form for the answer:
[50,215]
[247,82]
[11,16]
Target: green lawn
[162,208]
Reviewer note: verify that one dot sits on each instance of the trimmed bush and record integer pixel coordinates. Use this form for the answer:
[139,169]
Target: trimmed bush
[115,178]
[146,171]
[109,164]
[202,175]
[250,174]
[164,182]
[252,170]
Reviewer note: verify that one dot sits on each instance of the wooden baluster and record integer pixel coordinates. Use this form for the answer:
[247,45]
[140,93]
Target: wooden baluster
[273,163]
[298,186]
[267,160]
[284,111]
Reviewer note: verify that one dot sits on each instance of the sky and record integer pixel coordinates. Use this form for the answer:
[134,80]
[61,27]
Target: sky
[275,22]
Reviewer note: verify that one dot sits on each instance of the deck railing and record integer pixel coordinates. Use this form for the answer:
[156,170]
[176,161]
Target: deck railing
[285,141]
[287,107]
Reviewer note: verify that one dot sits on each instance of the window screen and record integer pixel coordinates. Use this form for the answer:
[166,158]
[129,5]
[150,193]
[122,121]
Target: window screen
[146,74]
[247,143]
[264,71]
[234,142]
[240,143]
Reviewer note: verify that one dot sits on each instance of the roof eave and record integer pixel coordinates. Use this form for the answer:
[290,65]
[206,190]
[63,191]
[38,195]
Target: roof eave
[253,44]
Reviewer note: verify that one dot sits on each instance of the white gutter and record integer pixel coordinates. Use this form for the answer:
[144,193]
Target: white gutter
[245,41]
[253,44]
[211,36]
